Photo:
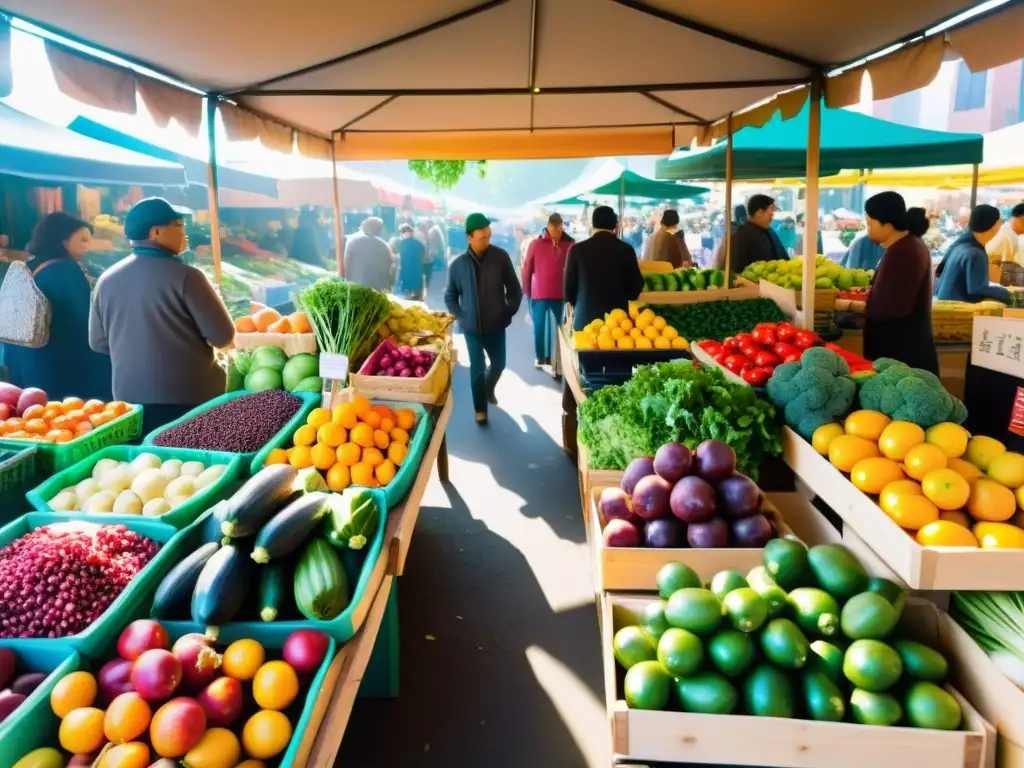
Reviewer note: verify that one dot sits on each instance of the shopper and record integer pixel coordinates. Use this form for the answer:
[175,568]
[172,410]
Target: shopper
[667,243]
[1005,246]
[368,259]
[484,295]
[65,366]
[437,253]
[159,319]
[898,316]
[864,253]
[601,272]
[412,255]
[754,239]
[543,275]
[963,273]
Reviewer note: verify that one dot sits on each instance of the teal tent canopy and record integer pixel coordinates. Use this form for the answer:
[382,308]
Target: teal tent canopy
[630,184]
[567,201]
[848,140]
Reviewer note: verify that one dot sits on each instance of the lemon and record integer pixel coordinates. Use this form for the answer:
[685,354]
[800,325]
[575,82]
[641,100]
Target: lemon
[669,332]
[1008,469]
[625,343]
[951,438]
[618,333]
[626,325]
[605,341]
[318,417]
[824,435]
[584,340]
[662,343]
[651,332]
[659,323]
[634,309]
[644,343]
[643,322]
[636,333]
[982,450]
[680,343]
[618,315]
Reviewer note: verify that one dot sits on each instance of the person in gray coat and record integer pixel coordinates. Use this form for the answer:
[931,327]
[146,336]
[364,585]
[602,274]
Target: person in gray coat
[368,259]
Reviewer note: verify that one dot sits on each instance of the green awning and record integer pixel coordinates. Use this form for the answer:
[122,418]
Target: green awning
[848,140]
[631,184]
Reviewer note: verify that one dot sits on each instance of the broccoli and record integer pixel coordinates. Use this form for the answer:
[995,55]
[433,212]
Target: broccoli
[814,391]
[909,394]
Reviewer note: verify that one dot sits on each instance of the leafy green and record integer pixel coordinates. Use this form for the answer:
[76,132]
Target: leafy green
[344,316]
[677,402]
[719,319]
[995,621]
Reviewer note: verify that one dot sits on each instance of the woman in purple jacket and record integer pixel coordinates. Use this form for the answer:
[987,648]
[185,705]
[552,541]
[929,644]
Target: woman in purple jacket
[543,271]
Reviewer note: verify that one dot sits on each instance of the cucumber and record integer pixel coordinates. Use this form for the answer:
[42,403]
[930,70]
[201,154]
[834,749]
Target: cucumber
[353,519]
[288,529]
[222,588]
[174,594]
[253,504]
[321,585]
[272,589]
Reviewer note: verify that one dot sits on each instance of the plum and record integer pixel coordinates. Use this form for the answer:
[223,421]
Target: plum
[666,532]
[638,469]
[615,503]
[651,497]
[738,497]
[754,531]
[693,500]
[714,460]
[673,461]
[711,534]
[621,533]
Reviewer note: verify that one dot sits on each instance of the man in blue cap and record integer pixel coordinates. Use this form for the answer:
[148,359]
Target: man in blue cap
[483,294]
[159,319]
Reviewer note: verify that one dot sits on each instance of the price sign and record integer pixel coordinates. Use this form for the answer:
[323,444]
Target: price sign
[998,345]
[334,367]
[1017,413]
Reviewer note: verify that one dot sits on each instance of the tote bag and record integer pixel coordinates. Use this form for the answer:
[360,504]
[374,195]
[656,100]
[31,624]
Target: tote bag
[24,310]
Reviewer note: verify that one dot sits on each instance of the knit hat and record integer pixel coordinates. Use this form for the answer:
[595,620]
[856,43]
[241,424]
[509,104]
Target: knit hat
[604,218]
[148,213]
[983,218]
[476,221]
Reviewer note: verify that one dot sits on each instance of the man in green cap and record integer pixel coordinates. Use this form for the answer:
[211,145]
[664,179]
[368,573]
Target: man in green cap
[483,294]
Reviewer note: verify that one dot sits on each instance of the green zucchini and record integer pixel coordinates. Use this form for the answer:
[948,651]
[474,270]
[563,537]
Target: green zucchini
[211,530]
[321,585]
[174,594]
[288,529]
[222,588]
[253,504]
[353,520]
[272,589]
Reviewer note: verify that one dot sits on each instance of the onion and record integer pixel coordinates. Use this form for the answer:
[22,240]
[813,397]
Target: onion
[383,362]
[391,372]
[405,373]
[420,372]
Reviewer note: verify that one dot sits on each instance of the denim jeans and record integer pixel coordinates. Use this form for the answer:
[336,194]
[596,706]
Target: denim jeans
[482,379]
[540,310]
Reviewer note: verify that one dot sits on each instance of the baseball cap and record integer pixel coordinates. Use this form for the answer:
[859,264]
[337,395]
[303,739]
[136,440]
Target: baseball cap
[555,218]
[147,213]
[476,221]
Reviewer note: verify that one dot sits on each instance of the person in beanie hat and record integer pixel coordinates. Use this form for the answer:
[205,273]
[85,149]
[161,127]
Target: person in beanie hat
[159,319]
[543,273]
[483,295]
[963,273]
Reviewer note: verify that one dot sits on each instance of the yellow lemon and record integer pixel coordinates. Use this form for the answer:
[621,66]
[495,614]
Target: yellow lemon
[669,332]
[634,309]
[277,456]
[643,321]
[998,536]
[610,323]
[626,324]
[318,417]
[662,343]
[651,332]
[618,315]
[605,341]
[679,342]
[618,333]
[872,474]
[644,343]
[866,424]
[823,437]
[898,437]
[304,435]
[659,323]
[626,343]
[1008,469]
[924,458]
[583,340]
[951,438]
[982,450]
[636,333]
[964,468]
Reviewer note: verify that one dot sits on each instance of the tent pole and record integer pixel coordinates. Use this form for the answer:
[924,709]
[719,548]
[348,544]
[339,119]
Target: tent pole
[211,184]
[727,245]
[974,186]
[810,245]
[622,202]
[339,232]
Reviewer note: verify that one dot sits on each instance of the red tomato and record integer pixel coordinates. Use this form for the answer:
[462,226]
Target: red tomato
[756,377]
[783,350]
[765,336]
[731,343]
[806,339]
[763,359]
[785,331]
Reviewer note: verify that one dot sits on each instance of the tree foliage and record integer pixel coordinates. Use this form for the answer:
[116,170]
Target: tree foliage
[445,174]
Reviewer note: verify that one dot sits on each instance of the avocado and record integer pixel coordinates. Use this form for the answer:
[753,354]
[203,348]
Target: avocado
[868,616]
[732,652]
[763,584]
[694,609]
[929,706]
[815,610]
[837,571]
[653,621]
[724,582]
[768,692]
[922,662]
[874,708]
[631,646]
[890,590]
[784,644]
[747,610]
[827,658]
[708,694]
[822,698]
[785,560]
[672,577]
[681,653]
[647,686]
[872,665]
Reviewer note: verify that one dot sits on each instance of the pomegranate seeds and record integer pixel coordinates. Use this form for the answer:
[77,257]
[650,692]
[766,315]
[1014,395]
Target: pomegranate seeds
[243,424]
[56,580]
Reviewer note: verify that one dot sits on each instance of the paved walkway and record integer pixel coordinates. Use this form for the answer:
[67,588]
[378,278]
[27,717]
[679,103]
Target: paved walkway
[500,657]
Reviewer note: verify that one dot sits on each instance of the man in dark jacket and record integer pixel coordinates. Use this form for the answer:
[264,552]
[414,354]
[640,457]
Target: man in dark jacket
[755,240]
[601,272]
[963,273]
[483,294]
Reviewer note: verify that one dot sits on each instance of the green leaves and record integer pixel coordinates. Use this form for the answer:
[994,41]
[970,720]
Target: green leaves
[719,319]
[344,316]
[445,174]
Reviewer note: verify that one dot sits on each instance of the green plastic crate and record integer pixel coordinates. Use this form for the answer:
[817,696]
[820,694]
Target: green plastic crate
[341,628]
[54,457]
[397,489]
[94,641]
[19,471]
[18,733]
[310,400]
[179,517]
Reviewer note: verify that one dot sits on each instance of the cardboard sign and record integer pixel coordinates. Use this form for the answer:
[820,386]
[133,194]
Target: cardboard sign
[998,345]
[334,367]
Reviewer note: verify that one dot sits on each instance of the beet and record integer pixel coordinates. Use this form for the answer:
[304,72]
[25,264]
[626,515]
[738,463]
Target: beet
[754,531]
[650,497]
[620,533]
[666,533]
[25,684]
[114,679]
[637,469]
[243,424]
[738,497]
[156,674]
[9,703]
[693,500]
[714,460]
[673,462]
[712,534]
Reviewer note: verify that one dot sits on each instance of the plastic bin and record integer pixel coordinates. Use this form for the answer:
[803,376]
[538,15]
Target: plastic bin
[19,471]
[179,517]
[18,732]
[341,628]
[95,640]
[310,400]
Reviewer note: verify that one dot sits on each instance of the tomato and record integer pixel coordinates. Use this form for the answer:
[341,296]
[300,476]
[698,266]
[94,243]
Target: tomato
[805,339]
[784,350]
[764,358]
[793,358]
[785,332]
[750,351]
[744,338]
[731,343]
[721,357]
[756,377]
[765,336]
[735,363]
[713,348]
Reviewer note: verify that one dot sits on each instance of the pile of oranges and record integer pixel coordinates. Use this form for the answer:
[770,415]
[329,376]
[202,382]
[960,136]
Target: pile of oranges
[269,320]
[61,421]
[359,443]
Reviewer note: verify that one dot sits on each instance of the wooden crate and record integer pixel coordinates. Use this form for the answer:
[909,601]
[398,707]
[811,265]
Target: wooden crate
[679,737]
[428,390]
[698,354]
[930,568]
[595,477]
[744,290]
[291,343]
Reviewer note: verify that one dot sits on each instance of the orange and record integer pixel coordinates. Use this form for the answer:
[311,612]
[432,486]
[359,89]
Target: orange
[948,490]
[345,414]
[866,424]
[899,437]
[384,411]
[318,417]
[372,456]
[957,516]
[332,435]
[387,424]
[385,472]
[266,734]
[74,690]
[911,511]
[61,422]
[998,536]
[362,435]
[92,406]
[60,436]
[275,686]
[36,426]
[322,456]
[823,437]
[72,403]
[348,454]
[381,439]
[277,456]
[871,475]
[127,717]
[304,435]
[81,730]
[338,477]
[242,659]
[362,474]
[362,405]
[245,324]
[399,435]
[300,324]
[79,414]
[922,459]
[951,438]
[133,754]
[847,450]
[965,468]
[943,533]
[99,419]
[265,318]
[284,325]
[406,418]
[82,427]
[118,407]
[372,418]
[13,424]
[33,412]
[990,501]
[397,453]
[300,456]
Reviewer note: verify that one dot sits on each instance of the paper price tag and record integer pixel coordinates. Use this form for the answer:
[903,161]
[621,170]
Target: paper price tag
[1017,413]
[334,367]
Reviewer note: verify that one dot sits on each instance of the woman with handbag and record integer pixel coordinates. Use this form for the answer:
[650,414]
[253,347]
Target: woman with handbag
[65,366]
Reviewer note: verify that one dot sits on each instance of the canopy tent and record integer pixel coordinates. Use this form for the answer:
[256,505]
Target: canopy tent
[848,140]
[32,149]
[633,185]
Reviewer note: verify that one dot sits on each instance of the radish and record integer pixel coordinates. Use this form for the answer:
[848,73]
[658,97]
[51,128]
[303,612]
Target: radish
[141,636]
[156,674]
[305,650]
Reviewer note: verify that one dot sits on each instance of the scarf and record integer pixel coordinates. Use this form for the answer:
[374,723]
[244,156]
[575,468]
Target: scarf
[151,248]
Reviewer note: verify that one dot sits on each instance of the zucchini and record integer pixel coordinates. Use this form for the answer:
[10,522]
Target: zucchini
[353,520]
[288,529]
[174,594]
[222,588]
[211,532]
[272,589]
[321,585]
[253,504]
